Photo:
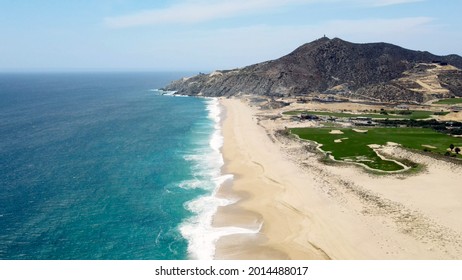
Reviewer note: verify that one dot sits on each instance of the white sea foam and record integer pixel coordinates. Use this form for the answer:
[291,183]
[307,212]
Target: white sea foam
[198,230]
[163,92]
[206,165]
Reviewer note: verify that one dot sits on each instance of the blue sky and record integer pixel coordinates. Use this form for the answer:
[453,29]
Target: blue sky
[203,35]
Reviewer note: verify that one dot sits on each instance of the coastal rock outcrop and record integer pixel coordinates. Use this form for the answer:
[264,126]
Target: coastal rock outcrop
[374,71]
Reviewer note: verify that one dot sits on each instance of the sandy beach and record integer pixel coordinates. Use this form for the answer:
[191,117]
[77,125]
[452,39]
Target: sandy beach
[309,210]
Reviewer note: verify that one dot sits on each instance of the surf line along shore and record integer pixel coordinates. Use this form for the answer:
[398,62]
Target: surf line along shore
[266,184]
[301,214]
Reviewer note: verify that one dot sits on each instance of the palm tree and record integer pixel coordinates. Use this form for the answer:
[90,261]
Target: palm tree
[451,147]
[457,150]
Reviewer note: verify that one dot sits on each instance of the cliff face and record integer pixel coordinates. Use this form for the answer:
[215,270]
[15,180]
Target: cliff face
[366,71]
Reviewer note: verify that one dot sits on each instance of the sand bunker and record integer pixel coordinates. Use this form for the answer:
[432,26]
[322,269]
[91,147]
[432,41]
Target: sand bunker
[392,144]
[429,146]
[374,146]
[340,140]
[335,132]
[452,151]
[360,130]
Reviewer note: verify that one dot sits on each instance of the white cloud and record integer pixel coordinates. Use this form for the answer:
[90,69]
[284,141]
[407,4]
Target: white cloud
[381,3]
[198,11]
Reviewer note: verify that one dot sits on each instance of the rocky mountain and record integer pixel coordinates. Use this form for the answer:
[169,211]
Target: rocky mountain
[375,71]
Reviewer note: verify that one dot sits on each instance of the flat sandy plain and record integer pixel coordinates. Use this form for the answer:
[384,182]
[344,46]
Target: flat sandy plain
[310,210]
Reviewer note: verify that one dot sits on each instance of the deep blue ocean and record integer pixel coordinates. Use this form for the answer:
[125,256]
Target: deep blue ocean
[101,166]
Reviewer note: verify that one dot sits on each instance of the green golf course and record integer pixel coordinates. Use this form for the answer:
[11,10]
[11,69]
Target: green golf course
[352,146]
[412,115]
[450,101]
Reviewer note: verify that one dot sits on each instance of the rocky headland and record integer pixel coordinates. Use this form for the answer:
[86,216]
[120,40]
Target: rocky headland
[375,72]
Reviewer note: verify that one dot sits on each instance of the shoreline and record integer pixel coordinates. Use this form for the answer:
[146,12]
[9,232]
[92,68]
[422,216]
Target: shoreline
[255,204]
[312,211]
[198,229]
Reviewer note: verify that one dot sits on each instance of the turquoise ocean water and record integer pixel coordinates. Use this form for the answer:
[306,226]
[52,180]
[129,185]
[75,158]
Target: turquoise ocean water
[101,166]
